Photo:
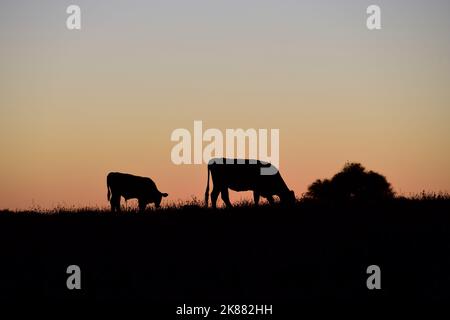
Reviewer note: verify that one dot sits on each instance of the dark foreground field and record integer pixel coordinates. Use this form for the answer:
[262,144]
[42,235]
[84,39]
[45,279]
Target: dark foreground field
[262,256]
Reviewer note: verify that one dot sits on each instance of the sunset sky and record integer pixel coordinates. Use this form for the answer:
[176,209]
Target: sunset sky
[75,105]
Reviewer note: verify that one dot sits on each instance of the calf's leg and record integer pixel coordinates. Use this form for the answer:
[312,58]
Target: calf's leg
[115,203]
[142,204]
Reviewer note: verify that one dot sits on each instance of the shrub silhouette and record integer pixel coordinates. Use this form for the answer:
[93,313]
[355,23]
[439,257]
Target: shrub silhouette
[353,184]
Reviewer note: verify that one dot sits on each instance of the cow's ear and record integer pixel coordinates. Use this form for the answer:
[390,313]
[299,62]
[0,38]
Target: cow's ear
[164,194]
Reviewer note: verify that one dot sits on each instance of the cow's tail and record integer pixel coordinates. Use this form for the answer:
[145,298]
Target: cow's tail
[108,196]
[207,187]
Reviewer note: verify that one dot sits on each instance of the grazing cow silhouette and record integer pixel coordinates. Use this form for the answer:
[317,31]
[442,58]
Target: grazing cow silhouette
[132,187]
[243,176]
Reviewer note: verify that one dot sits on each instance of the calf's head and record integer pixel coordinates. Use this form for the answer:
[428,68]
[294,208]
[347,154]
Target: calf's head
[159,197]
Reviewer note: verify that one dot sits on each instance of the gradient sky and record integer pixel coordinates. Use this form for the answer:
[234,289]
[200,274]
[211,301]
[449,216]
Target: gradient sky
[75,105]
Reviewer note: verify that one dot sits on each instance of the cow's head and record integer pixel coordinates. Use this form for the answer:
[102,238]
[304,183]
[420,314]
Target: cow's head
[288,197]
[159,198]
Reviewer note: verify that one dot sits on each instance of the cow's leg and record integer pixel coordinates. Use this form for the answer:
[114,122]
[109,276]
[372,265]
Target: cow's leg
[256,195]
[226,197]
[214,195]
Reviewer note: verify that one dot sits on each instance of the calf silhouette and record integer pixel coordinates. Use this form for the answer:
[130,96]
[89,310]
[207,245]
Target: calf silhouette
[243,176]
[132,187]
